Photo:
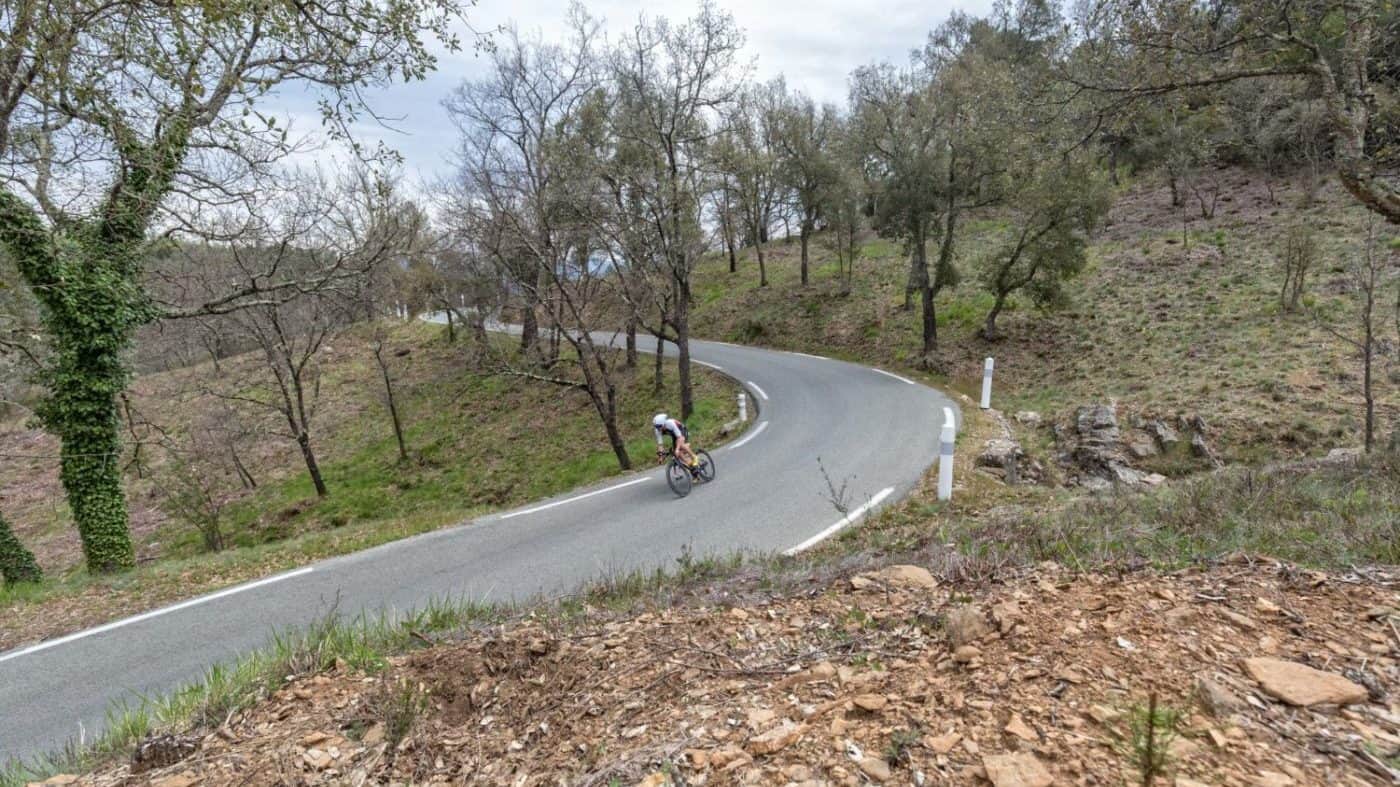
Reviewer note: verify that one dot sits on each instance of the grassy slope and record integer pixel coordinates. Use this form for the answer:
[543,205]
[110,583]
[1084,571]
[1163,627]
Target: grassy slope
[1160,325]
[475,441]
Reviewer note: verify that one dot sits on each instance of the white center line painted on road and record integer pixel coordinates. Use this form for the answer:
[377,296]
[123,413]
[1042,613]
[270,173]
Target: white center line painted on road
[711,365]
[155,613]
[751,435]
[846,520]
[760,392]
[576,498]
[892,374]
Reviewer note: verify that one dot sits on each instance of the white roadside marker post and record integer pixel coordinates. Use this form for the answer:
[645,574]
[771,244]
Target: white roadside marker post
[987,384]
[945,455]
[743,408]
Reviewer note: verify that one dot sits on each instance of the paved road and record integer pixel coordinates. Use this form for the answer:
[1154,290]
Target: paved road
[872,430]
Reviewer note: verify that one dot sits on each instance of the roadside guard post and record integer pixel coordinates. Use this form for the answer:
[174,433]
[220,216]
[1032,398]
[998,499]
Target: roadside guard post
[987,384]
[743,407]
[945,455]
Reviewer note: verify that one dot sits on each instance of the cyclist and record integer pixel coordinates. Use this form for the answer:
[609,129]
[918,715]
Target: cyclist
[664,426]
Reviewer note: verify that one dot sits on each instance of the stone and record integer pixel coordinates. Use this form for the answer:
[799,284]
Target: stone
[966,624]
[1214,698]
[1018,727]
[776,739]
[1202,449]
[1142,447]
[1299,684]
[317,759]
[178,780]
[966,654]
[1164,435]
[875,768]
[1021,769]
[1029,418]
[657,779]
[870,702]
[1273,779]
[942,744]
[908,576]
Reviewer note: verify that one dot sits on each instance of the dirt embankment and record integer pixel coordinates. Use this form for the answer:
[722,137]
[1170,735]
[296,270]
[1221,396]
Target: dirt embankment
[1271,676]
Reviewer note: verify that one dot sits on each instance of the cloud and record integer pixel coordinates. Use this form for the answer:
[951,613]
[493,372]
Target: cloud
[814,44]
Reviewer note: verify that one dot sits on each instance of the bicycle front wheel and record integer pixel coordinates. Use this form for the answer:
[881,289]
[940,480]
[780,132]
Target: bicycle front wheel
[707,466]
[678,478]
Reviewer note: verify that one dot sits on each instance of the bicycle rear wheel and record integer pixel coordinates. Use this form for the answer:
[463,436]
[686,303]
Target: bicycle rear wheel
[678,478]
[707,466]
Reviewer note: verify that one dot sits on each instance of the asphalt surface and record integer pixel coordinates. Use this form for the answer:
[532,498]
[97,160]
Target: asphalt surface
[875,433]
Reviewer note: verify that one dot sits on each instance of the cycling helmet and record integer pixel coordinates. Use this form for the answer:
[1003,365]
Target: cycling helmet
[659,421]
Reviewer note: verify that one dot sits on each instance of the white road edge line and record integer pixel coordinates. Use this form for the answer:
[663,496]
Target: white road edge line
[547,506]
[116,624]
[808,355]
[904,380]
[760,391]
[846,520]
[751,435]
[711,365]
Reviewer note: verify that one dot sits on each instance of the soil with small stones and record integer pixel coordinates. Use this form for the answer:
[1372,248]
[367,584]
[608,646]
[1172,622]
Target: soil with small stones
[855,681]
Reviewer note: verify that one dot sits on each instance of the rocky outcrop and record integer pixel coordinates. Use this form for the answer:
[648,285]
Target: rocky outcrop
[1099,453]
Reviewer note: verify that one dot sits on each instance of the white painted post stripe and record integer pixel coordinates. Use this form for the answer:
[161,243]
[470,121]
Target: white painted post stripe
[576,498]
[758,390]
[987,383]
[743,407]
[892,374]
[846,520]
[751,435]
[155,613]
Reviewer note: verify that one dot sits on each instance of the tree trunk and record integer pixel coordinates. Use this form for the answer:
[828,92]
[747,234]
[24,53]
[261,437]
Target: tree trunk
[91,448]
[762,268]
[804,236]
[16,563]
[244,476]
[529,329]
[631,342]
[682,325]
[733,257]
[658,379]
[451,329]
[1367,392]
[389,397]
[989,331]
[313,469]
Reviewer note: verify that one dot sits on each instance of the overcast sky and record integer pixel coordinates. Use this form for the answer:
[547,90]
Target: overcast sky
[814,43]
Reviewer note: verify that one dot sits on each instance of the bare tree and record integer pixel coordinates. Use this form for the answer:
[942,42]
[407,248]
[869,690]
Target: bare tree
[1368,274]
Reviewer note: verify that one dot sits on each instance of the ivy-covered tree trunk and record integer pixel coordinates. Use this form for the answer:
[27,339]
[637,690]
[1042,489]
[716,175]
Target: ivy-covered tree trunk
[86,275]
[16,563]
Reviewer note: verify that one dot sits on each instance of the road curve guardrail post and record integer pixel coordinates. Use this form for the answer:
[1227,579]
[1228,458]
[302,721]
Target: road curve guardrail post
[945,455]
[987,383]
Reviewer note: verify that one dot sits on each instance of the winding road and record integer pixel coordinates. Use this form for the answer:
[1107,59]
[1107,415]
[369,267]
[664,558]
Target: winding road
[874,431]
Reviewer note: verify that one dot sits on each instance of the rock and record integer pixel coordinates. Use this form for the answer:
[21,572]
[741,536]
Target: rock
[1018,727]
[374,735]
[1006,614]
[966,654]
[311,739]
[1164,435]
[776,739]
[1298,684]
[178,780]
[870,702]
[874,767]
[1006,457]
[1202,449]
[1141,447]
[1379,613]
[966,624]
[727,755]
[317,759]
[657,779]
[942,744]
[1029,418]
[62,780]
[1022,769]
[1272,779]
[1215,699]
[1097,425]
[908,576]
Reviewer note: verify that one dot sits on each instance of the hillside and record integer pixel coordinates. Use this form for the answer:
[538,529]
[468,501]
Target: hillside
[1175,314]
[475,444]
[883,676]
